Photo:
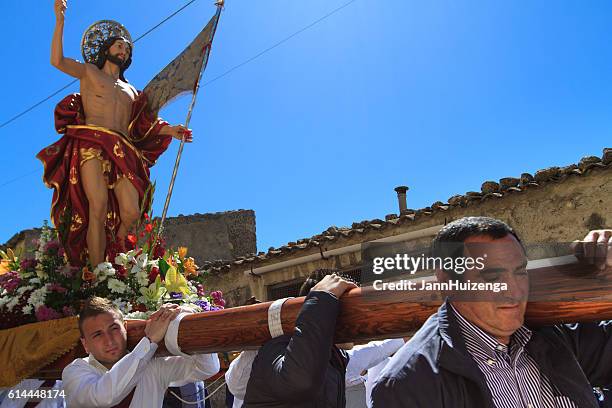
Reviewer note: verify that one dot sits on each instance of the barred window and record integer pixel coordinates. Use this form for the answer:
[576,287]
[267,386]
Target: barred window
[292,288]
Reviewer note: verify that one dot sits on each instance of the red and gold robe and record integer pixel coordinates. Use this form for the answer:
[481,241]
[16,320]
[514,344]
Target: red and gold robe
[128,156]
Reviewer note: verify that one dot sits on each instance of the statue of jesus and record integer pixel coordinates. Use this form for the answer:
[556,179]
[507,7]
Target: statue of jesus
[99,169]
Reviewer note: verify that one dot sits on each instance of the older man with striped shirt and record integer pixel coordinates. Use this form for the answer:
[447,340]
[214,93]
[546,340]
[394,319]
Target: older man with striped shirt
[475,352]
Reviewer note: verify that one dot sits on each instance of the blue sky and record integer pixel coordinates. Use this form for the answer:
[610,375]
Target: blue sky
[438,95]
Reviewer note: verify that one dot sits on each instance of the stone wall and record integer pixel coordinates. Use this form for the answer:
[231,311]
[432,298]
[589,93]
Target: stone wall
[223,235]
[23,242]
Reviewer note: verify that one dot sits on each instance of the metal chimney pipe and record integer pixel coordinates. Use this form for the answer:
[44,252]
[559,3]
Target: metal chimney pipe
[401,197]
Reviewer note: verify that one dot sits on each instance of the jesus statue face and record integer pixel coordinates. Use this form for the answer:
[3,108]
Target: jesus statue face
[119,52]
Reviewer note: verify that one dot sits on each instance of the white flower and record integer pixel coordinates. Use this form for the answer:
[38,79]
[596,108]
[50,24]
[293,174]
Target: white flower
[139,315]
[27,309]
[35,280]
[121,259]
[141,260]
[24,289]
[116,285]
[4,300]
[136,269]
[104,270]
[140,263]
[142,277]
[124,306]
[40,272]
[154,263]
[12,303]
[46,235]
[37,298]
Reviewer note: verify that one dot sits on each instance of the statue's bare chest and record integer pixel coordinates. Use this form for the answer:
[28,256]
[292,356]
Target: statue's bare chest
[109,90]
[107,101]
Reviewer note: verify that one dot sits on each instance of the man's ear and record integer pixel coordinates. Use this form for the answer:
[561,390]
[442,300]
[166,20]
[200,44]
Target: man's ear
[84,344]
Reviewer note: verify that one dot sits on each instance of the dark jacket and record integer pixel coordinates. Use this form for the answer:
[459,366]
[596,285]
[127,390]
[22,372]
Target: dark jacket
[304,370]
[434,369]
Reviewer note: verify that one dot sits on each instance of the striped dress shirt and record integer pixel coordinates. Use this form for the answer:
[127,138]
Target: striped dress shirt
[512,375]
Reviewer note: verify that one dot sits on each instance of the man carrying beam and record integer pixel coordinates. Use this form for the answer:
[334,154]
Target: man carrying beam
[112,376]
[476,351]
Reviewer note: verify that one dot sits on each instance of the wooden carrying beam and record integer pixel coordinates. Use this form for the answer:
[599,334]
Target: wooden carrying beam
[562,291]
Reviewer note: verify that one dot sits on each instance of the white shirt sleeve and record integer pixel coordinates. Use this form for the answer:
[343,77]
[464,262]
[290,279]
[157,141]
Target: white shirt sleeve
[239,372]
[363,357]
[86,386]
[373,374]
[178,371]
[182,369]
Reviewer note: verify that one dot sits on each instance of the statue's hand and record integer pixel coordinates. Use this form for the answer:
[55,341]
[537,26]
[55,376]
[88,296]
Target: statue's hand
[178,132]
[60,9]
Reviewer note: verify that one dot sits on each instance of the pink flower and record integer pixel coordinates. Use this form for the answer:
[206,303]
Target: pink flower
[46,313]
[217,297]
[52,246]
[29,263]
[200,289]
[68,271]
[10,281]
[56,287]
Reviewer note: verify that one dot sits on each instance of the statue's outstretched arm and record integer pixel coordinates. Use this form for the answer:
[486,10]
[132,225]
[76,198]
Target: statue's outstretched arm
[67,65]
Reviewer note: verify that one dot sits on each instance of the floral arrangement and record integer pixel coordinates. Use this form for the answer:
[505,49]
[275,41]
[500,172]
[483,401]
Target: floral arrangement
[137,278]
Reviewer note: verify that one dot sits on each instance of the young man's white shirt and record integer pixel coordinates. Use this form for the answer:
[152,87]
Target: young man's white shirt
[371,377]
[365,356]
[89,384]
[238,374]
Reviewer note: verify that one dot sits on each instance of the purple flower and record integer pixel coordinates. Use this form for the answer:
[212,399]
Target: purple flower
[10,281]
[203,304]
[46,313]
[176,295]
[29,263]
[52,246]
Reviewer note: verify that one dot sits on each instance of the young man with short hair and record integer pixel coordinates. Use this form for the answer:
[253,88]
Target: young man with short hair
[112,376]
